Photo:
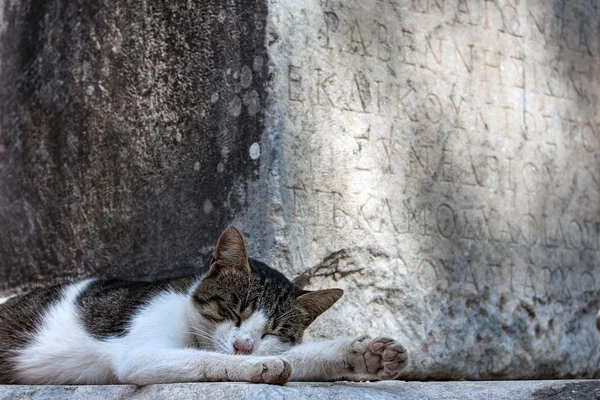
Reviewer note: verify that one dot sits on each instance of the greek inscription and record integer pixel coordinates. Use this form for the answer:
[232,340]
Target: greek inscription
[371,211]
[457,106]
[517,71]
[447,164]
[556,283]
[473,227]
[529,284]
[470,276]
[384,50]
[466,57]
[427,6]
[530,177]
[471,177]
[511,22]
[298,200]
[408,48]
[588,136]
[471,146]
[294,83]
[433,108]
[410,216]
[445,220]
[405,96]
[587,282]
[492,61]
[419,159]
[360,95]
[362,141]
[538,24]
[323,82]
[529,230]
[427,276]
[330,25]
[398,265]
[357,43]
[433,51]
[574,32]
[576,238]
[464,15]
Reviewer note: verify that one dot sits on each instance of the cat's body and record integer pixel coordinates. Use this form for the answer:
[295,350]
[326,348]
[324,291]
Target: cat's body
[239,320]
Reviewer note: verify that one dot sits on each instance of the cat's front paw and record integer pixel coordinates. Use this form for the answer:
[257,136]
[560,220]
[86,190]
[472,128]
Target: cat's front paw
[271,370]
[379,358]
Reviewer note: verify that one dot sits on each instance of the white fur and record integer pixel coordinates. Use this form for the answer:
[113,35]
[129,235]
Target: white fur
[251,330]
[320,360]
[159,348]
[5,299]
[62,352]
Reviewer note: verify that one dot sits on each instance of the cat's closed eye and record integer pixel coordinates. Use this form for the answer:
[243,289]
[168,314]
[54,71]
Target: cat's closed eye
[237,319]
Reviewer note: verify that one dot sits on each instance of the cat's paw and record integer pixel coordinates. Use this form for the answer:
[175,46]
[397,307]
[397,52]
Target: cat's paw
[271,370]
[379,358]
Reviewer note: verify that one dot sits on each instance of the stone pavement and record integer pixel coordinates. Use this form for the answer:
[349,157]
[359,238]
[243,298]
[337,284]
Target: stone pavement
[513,390]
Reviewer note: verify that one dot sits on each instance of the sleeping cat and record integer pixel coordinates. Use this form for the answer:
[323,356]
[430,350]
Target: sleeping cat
[239,320]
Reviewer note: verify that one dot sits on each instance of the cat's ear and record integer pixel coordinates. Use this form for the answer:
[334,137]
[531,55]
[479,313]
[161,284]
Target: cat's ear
[316,302]
[230,254]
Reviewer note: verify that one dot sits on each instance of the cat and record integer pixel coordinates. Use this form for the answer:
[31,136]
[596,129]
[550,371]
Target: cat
[238,320]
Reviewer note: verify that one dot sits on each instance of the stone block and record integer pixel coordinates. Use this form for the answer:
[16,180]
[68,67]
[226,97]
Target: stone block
[524,390]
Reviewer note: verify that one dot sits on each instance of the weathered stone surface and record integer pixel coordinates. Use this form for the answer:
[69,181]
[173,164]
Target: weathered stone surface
[533,390]
[125,132]
[437,159]
[441,157]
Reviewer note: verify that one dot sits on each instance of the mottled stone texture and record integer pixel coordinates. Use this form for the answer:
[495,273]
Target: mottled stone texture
[531,390]
[437,159]
[439,162]
[125,132]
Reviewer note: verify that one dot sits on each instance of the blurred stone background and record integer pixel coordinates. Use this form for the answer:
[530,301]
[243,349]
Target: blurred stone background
[436,159]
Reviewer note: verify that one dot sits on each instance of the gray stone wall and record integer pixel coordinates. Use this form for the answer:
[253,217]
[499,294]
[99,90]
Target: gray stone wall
[125,130]
[436,159]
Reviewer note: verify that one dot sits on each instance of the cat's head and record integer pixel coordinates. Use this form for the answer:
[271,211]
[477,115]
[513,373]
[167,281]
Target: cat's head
[245,307]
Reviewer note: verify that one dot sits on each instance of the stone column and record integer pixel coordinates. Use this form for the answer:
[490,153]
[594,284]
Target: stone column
[437,159]
[126,133]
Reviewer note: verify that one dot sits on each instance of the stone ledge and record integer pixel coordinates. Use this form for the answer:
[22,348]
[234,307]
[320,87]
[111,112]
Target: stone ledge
[513,390]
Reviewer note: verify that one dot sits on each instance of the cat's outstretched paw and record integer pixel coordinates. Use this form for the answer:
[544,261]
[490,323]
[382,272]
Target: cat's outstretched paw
[379,358]
[270,370]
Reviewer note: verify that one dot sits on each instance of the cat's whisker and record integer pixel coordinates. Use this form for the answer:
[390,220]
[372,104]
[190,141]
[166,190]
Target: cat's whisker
[200,330]
[284,316]
[208,338]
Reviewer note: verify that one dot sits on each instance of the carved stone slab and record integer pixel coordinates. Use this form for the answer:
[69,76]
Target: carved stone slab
[439,161]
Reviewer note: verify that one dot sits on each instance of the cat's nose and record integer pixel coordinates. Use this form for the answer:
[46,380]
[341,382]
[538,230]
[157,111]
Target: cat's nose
[243,346]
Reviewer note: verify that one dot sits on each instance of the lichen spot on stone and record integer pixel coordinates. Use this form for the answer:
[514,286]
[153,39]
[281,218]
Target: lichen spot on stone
[246,77]
[235,107]
[255,151]
[257,63]
[207,207]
